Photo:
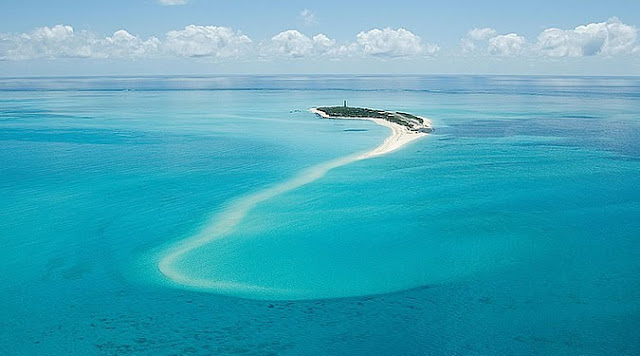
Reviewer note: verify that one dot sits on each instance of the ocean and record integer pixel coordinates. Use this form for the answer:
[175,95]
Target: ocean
[513,229]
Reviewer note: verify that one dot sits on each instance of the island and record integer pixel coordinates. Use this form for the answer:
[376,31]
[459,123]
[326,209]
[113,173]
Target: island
[405,127]
[411,122]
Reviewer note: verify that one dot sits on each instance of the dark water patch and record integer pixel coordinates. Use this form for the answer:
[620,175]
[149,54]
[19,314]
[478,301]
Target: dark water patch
[32,115]
[620,87]
[102,136]
[355,130]
[85,136]
[576,116]
[620,136]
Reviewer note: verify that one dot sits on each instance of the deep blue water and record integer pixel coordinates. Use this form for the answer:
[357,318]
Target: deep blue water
[514,229]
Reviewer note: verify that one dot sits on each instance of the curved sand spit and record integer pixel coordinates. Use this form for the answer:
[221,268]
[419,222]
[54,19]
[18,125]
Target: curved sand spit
[224,223]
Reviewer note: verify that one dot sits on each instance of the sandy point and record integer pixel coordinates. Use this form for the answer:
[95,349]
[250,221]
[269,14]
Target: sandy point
[400,135]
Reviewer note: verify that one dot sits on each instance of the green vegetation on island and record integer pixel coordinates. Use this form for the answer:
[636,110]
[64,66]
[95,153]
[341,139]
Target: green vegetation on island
[412,122]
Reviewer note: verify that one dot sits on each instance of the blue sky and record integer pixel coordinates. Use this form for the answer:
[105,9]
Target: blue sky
[263,37]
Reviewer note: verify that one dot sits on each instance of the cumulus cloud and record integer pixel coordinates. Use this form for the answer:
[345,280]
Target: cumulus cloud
[386,43]
[393,43]
[489,41]
[476,38]
[125,45]
[292,43]
[323,41]
[49,42]
[63,41]
[172,2]
[481,34]
[206,41]
[610,38]
[507,45]
[604,38]
[215,42]
[308,17]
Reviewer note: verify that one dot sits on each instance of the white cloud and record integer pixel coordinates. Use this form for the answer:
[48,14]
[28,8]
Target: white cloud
[172,2]
[393,43]
[51,42]
[323,43]
[507,45]
[206,41]
[604,38]
[481,34]
[475,38]
[347,50]
[63,41]
[292,43]
[488,40]
[308,17]
[125,45]
[608,39]
[379,43]
[468,45]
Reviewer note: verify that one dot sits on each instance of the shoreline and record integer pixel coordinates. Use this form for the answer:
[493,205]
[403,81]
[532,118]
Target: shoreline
[400,135]
[224,223]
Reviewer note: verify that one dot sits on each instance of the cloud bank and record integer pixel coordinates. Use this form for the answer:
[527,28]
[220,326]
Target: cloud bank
[205,41]
[292,43]
[385,43]
[215,42]
[507,45]
[393,43]
[607,39]
[64,42]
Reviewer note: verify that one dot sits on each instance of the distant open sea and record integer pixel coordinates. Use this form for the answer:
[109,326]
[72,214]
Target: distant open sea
[513,229]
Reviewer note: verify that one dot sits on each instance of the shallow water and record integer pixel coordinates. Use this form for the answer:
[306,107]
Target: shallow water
[513,229]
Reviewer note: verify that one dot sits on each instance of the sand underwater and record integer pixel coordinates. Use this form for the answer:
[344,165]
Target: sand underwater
[512,229]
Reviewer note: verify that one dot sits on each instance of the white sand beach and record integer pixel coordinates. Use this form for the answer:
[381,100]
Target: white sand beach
[399,137]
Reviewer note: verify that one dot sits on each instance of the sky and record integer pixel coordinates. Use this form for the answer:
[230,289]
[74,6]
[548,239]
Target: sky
[150,37]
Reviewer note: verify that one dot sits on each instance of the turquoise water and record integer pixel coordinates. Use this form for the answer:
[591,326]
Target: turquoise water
[515,228]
